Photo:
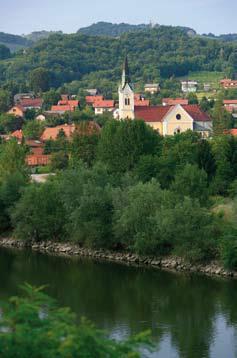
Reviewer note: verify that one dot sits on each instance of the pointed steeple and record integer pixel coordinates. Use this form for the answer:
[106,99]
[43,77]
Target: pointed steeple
[126,74]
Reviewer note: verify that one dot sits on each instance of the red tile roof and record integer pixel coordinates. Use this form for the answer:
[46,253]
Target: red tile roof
[70,102]
[17,134]
[87,128]
[141,102]
[33,160]
[104,104]
[31,102]
[151,114]
[65,108]
[93,99]
[196,113]
[230,101]
[52,133]
[174,101]
[233,131]
[157,113]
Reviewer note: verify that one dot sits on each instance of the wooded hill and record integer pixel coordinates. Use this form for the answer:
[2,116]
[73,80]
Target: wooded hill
[154,53]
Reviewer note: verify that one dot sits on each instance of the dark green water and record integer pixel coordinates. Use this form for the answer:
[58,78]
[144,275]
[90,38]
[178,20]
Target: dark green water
[190,316]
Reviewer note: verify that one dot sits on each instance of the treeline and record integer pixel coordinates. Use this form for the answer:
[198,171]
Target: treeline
[129,189]
[154,54]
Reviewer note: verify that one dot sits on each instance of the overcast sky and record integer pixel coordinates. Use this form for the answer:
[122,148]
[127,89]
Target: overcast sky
[24,16]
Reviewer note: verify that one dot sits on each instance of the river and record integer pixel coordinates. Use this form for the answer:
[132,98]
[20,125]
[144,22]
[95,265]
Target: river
[190,316]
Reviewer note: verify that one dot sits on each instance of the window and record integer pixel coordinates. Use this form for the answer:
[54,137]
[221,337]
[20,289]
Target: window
[127,101]
[178,116]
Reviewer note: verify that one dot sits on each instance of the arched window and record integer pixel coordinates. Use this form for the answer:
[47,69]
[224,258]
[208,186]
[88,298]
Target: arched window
[127,101]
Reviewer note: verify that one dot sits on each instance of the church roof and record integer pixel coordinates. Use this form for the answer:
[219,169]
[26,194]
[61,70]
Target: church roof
[158,113]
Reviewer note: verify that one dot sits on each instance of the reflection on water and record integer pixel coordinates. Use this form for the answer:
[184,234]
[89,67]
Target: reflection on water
[190,316]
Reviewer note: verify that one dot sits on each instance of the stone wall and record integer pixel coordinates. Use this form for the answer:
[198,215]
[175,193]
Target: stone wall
[170,263]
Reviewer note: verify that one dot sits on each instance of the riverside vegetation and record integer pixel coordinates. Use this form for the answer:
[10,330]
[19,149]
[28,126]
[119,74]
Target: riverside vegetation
[32,325]
[129,189]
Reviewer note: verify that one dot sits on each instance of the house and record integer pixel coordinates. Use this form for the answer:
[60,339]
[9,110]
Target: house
[17,111]
[35,160]
[174,101]
[233,131]
[19,96]
[31,103]
[103,106]
[170,120]
[92,91]
[41,118]
[35,146]
[189,86]
[52,133]
[230,105]
[152,88]
[90,100]
[18,134]
[227,83]
[65,105]
[207,87]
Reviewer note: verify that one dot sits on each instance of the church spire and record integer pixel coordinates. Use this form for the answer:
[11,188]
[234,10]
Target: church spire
[126,74]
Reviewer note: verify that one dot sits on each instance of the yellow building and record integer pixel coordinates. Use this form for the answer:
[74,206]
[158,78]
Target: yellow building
[17,111]
[167,120]
[170,120]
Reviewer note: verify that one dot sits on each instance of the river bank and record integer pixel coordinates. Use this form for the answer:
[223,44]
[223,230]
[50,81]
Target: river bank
[170,263]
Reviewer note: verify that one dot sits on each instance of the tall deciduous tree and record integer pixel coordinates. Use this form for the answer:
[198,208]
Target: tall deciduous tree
[39,80]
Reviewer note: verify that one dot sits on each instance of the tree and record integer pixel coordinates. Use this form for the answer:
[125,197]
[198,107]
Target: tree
[39,79]
[4,52]
[192,98]
[122,143]
[10,123]
[33,129]
[39,214]
[51,98]
[191,181]
[5,100]
[12,159]
[33,325]
[59,161]
[221,118]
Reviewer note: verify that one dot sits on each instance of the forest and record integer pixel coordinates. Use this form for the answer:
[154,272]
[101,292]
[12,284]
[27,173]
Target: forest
[155,54]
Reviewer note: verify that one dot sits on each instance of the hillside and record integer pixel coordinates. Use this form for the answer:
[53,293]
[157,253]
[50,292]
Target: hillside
[14,42]
[39,35]
[115,30]
[154,54]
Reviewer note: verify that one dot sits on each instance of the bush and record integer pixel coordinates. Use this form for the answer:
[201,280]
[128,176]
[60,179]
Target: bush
[39,214]
[34,326]
[228,250]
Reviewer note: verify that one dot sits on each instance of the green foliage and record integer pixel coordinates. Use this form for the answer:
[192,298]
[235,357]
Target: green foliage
[228,249]
[10,123]
[191,181]
[83,148]
[34,326]
[12,159]
[122,143]
[33,129]
[51,98]
[221,118]
[5,100]
[4,52]
[192,98]
[59,161]
[39,214]
[86,195]
[39,79]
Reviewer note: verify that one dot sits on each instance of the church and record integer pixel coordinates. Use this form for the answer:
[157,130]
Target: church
[167,120]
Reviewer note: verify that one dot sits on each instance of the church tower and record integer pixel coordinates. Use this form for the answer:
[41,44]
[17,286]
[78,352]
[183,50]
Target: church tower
[126,94]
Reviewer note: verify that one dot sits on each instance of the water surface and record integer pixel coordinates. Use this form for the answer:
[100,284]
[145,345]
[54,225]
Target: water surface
[190,316]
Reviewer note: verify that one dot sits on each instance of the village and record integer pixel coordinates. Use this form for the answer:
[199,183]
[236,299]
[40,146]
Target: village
[173,116]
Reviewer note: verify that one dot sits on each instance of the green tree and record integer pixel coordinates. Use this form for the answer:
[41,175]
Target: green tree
[4,52]
[5,100]
[39,214]
[10,123]
[39,80]
[12,159]
[33,129]
[221,118]
[192,98]
[191,181]
[33,325]
[122,143]
[51,98]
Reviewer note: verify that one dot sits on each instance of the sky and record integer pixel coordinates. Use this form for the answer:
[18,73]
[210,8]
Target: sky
[25,16]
